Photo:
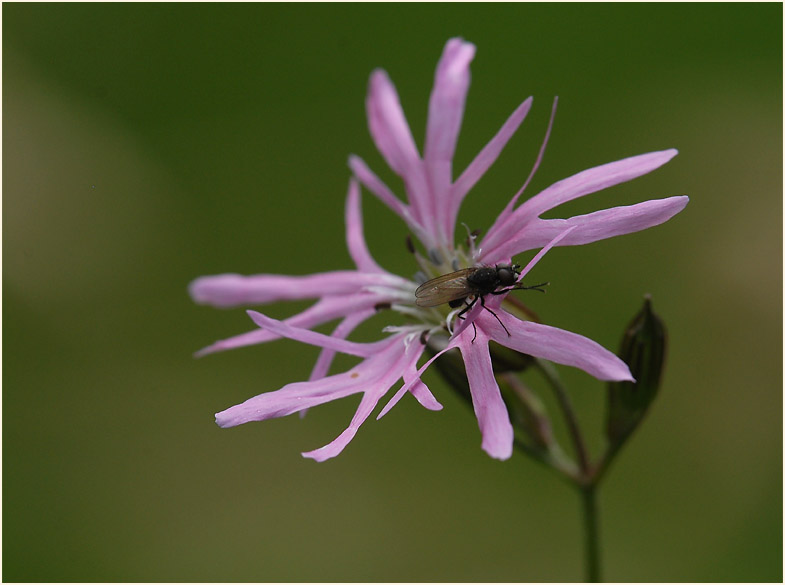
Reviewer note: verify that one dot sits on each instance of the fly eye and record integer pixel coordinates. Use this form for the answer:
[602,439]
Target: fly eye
[506,276]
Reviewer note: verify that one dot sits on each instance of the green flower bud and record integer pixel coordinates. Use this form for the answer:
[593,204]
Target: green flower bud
[643,349]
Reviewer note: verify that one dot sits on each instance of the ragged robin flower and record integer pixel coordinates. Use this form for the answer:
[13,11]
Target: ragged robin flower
[430,211]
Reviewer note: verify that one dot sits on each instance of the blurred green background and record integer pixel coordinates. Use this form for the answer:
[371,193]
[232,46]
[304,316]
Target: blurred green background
[146,145]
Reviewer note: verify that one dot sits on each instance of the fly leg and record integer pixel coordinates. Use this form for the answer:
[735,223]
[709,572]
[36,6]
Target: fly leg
[468,306]
[482,302]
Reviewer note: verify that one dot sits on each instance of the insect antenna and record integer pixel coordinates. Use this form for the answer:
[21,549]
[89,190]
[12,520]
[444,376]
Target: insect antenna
[537,287]
[521,286]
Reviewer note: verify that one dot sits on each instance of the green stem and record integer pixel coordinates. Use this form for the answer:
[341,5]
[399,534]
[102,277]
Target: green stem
[591,533]
[604,462]
[553,379]
[586,481]
[553,459]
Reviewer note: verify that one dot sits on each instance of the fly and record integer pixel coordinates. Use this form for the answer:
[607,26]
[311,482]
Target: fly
[454,288]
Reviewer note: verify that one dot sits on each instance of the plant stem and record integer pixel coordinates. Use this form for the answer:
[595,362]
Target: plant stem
[587,480]
[552,376]
[553,459]
[591,533]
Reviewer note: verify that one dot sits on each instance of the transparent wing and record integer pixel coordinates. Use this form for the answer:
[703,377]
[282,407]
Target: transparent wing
[443,289]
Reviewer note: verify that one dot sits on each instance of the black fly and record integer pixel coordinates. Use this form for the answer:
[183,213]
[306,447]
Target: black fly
[454,288]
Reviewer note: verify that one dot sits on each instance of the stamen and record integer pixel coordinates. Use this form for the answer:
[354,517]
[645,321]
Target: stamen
[412,311]
[471,238]
[414,330]
[448,320]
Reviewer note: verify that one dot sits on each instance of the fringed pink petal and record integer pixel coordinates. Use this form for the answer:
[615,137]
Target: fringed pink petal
[412,382]
[254,337]
[323,311]
[532,263]
[448,98]
[556,345]
[355,238]
[393,138]
[291,398]
[388,125]
[419,390]
[415,378]
[513,202]
[369,375]
[342,331]
[233,290]
[379,373]
[445,114]
[593,227]
[491,412]
[376,186]
[583,183]
[314,338]
[424,396]
[486,157]
[337,445]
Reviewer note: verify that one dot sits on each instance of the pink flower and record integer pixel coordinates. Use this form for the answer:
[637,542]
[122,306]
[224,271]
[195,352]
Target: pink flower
[431,208]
